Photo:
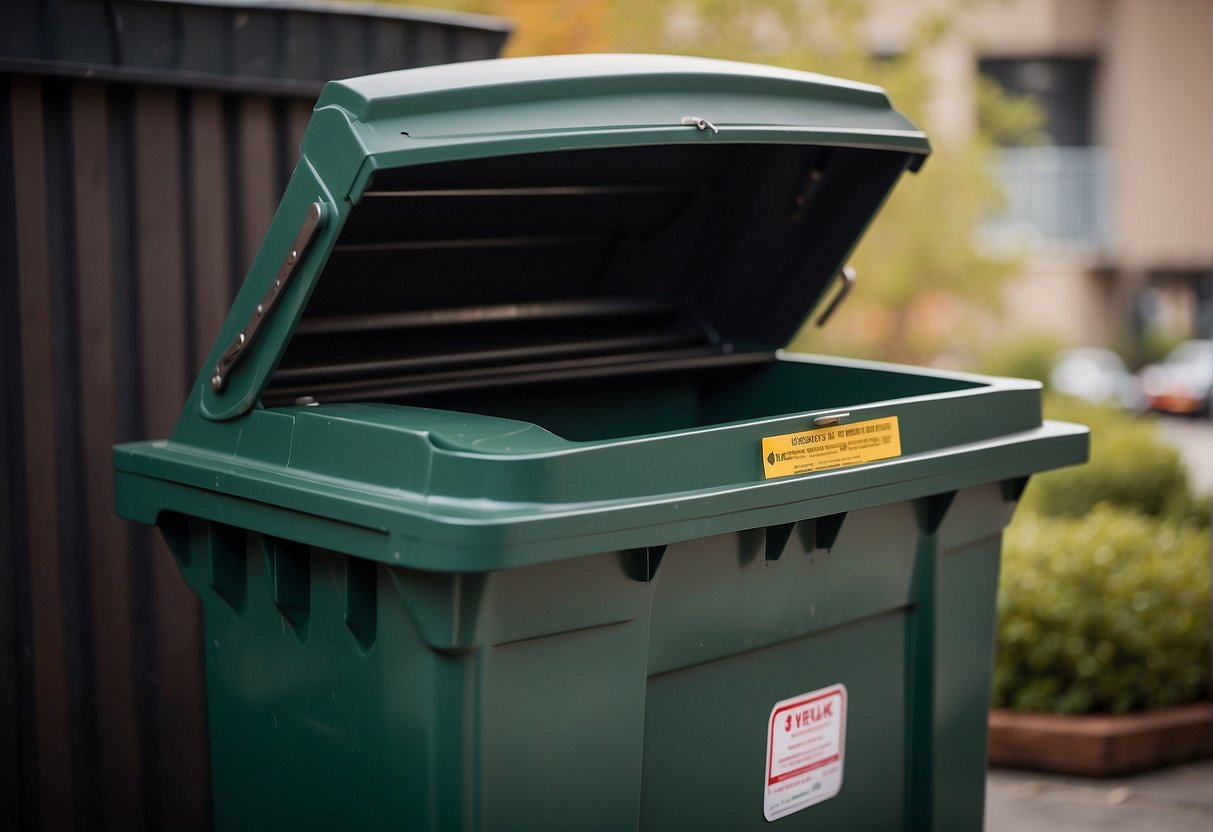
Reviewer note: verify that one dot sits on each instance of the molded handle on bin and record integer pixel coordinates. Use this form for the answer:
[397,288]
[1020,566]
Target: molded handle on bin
[847,275]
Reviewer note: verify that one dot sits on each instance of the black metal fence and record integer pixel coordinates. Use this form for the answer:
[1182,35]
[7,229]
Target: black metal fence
[143,146]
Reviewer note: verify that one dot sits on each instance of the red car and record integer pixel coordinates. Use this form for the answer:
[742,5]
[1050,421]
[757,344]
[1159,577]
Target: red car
[1183,381]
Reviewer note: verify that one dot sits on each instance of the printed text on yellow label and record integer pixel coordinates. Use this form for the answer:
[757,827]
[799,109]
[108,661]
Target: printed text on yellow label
[836,446]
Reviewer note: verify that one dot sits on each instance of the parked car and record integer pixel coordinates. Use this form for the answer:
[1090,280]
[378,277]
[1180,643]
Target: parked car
[1183,381]
[1096,375]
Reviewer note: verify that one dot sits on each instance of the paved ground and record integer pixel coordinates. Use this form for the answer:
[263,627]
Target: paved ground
[1194,439]
[1176,799]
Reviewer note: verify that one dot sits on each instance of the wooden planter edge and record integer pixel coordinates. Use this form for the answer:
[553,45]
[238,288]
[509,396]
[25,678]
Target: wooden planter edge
[1100,745]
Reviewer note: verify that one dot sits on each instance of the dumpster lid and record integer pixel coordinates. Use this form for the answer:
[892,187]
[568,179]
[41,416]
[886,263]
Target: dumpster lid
[477,221]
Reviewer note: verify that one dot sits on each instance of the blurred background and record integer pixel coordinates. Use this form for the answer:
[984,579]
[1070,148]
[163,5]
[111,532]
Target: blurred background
[1062,230]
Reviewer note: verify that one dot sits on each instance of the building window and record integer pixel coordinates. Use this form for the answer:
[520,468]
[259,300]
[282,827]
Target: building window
[1062,86]
[1055,180]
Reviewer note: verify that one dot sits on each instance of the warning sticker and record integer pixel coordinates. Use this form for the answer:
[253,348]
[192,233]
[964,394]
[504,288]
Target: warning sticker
[837,446]
[805,739]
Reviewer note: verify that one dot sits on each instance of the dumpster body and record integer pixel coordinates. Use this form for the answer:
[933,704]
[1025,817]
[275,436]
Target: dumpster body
[507,511]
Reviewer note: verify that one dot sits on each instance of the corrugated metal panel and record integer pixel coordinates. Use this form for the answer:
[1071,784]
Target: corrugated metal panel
[137,176]
[267,46]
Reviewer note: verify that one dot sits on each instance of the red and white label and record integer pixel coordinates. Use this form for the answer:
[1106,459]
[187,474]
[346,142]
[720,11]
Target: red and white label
[806,736]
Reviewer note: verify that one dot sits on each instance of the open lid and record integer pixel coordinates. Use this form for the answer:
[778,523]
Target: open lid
[452,223]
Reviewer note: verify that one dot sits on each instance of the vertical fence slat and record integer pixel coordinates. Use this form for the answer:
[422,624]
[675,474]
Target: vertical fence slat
[120,776]
[129,425]
[257,165]
[17,801]
[164,355]
[50,672]
[211,241]
[297,116]
[75,580]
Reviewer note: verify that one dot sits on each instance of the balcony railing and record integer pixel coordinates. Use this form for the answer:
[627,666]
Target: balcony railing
[1057,198]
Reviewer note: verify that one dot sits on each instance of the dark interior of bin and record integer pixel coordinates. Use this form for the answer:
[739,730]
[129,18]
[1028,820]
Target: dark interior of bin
[603,292]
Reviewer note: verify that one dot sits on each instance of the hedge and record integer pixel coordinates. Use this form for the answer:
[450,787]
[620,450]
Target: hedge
[1104,599]
[1130,467]
[1103,613]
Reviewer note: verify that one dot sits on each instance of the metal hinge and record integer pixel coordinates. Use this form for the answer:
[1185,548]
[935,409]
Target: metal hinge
[701,123]
[234,354]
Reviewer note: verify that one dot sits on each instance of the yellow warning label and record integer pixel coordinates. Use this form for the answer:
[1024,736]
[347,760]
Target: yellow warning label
[836,446]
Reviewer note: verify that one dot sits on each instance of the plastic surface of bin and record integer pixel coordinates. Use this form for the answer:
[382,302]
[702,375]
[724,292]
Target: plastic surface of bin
[507,511]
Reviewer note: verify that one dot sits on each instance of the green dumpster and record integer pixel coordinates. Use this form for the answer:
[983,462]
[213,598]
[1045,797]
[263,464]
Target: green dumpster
[507,511]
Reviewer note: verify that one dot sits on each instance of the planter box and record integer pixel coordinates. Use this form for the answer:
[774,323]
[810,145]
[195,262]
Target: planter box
[1100,745]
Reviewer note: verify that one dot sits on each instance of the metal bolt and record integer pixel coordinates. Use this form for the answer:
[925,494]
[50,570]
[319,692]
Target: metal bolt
[216,382]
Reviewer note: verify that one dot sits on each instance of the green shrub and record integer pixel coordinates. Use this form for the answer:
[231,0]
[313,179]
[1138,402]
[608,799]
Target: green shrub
[1189,507]
[1130,467]
[1030,356]
[1103,613]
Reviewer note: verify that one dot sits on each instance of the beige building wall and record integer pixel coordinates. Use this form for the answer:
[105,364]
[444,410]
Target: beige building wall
[1156,106]
[1058,296]
[1026,28]
[1153,110]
